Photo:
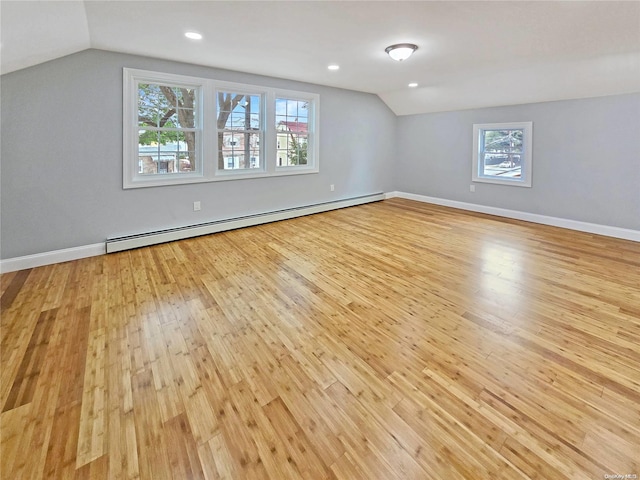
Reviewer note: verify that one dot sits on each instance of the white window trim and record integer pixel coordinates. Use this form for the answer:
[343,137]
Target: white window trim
[232,87]
[207,156]
[131,177]
[313,117]
[526,162]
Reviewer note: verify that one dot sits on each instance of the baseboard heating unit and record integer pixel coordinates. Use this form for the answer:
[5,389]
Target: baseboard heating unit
[118,244]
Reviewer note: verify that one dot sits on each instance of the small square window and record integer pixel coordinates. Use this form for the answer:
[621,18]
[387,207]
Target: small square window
[502,153]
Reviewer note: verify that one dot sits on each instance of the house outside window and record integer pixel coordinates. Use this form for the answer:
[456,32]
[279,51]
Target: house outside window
[502,153]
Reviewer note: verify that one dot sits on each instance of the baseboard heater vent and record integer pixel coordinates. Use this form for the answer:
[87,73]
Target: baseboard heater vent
[118,244]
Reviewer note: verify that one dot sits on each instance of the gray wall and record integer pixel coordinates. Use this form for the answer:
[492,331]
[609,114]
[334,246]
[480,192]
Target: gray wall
[61,157]
[586,159]
[61,152]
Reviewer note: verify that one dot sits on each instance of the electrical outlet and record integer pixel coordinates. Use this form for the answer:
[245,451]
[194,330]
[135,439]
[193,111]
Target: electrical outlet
[196,206]
[332,187]
[472,188]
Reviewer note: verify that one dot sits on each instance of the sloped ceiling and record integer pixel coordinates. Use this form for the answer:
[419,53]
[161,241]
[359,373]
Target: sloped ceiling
[471,54]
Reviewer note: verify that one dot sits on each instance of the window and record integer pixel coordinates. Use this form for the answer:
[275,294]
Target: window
[292,125]
[239,123]
[162,128]
[502,153]
[179,129]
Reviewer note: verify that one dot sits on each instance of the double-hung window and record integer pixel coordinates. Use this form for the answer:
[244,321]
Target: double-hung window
[502,153]
[292,127]
[239,129]
[163,129]
[179,129]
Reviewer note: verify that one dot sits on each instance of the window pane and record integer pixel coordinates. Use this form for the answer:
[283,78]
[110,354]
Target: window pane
[163,111]
[502,151]
[286,107]
[292,149]
[503,140]
[292,130]
[238,150]
[148,138]
[166,106]
[299,151]
[238,111]
[187,161]
[236,120]
[184,118]
[239,130]
[185,96]
[166,152]
[185,151]
[151,102]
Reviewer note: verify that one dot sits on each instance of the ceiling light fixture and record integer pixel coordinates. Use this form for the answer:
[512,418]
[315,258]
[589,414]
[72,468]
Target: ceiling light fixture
[334,67]
[401,51]
[412,85]
[193,35]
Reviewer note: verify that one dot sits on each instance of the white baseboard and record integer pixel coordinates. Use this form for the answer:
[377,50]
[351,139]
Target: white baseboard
[75,253]
[135,241]
[152,238]
[48,258]
[623,233]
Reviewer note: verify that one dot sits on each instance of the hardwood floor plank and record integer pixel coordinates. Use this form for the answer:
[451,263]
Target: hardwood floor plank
[11,286]
[391,340]
[150,440]
[314,423]
[239,439]
[91,437]
[61,453]
[182,449]
[297,445]
[216,460]
[534,435]
[13,433]
[24,385]
[372,426]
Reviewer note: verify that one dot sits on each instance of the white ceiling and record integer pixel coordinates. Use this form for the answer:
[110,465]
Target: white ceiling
[471,54]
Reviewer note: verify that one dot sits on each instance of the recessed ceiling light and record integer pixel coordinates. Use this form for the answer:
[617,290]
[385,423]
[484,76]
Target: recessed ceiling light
[412,85]
[193,35]
[334,67]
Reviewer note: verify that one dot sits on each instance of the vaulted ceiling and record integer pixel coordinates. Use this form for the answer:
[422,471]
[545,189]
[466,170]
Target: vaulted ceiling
[471,53]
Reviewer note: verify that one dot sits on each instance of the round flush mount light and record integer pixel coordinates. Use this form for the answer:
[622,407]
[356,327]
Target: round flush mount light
[193,35]
[412,85]
[401,51]
[333,66]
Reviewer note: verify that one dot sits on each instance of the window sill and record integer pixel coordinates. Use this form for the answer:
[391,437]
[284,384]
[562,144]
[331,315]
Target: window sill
[220,177]
[500,181]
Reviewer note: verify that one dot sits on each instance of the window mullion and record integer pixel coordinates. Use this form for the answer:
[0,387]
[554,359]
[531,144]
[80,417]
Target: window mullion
[270,132]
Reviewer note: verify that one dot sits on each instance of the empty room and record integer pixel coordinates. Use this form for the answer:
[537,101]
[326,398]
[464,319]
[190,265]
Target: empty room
[316,240]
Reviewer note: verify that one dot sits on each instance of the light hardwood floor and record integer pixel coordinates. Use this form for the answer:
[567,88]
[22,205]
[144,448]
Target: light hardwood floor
[394,340]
